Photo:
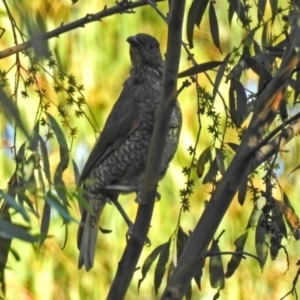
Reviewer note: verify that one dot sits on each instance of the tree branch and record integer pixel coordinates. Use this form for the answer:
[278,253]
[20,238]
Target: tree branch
[265,111]
[119,8]
[132,252]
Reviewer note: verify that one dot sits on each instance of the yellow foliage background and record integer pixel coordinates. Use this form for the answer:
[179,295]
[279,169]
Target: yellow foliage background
[98,57]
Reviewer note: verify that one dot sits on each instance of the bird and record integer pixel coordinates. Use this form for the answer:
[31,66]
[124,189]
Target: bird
[120,154]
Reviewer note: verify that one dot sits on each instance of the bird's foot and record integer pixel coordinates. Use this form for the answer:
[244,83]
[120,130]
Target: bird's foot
[129,233]
[139,200]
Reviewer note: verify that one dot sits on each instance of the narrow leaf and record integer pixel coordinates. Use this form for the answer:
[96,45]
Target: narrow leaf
[216,270]
[11,111]
[236,259]
[199,272]
[220,161]
[161,265]
[182,238]
[214,26]
[204,158]
[241,102]
[11,201]
[45,159]
[45,222]
[148,262]
[200,68]
[9,230]
[220,75]
[243,190]
[262,240]
[212,172]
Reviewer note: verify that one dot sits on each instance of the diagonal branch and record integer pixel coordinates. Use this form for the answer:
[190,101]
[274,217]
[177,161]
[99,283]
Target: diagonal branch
[264,114]
[136,242]
[121,7]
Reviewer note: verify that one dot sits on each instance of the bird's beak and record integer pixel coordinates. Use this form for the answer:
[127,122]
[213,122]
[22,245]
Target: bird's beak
[133,41]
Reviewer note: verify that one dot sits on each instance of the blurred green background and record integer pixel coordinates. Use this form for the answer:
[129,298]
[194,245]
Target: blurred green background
[97,55]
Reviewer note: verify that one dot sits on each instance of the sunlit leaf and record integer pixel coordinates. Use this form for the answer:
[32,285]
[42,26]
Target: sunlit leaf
[262,240]
[236,259]
[161,265]
[148,262]
[216,270]
[204,158]
[254,217]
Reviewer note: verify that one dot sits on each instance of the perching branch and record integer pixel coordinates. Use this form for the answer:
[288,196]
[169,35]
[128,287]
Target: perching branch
[132,252]
[265,111]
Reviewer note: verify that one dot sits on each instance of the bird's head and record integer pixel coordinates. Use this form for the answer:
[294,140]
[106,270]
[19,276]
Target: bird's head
[144,51]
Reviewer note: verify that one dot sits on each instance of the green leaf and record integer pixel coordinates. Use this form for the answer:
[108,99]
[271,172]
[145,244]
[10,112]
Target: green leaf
[34,139]
[220,161]
[241,103]
[200,68]
[45,158]
[11,201]
[76,172]
[161,265]
[199,273]
[182,238]
[262,240]
[214,27]
[195,15]
[216,270]
[261,7]
[204,158]
[212,172]
[45,222]
[12,113]
[54,202]
[10,230]
[148,263]
[220,75]
[243,190]
[63,146]
[236,259]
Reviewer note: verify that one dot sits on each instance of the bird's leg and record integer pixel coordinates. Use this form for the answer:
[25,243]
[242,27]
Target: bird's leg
[123,213]
[127,220]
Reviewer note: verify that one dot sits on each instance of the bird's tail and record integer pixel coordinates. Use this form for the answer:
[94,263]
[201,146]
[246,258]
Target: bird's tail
[88,232]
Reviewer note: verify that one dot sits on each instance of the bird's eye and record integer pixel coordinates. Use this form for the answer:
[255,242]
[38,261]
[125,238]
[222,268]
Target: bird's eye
[151,46]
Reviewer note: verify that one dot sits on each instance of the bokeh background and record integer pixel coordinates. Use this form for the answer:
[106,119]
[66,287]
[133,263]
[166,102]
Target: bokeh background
[97,55]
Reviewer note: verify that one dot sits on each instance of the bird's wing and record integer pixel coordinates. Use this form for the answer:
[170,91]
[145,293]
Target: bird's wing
[122,120]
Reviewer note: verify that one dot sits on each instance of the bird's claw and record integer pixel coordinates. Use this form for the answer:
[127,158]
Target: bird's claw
[130,233]
[139,200]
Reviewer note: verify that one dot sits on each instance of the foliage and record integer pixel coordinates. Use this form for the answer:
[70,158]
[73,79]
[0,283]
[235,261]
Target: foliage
[244,110]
